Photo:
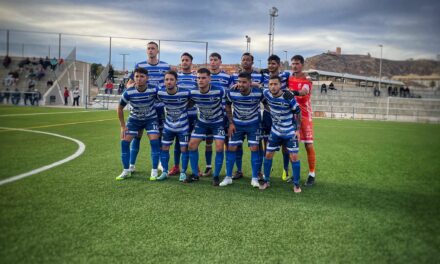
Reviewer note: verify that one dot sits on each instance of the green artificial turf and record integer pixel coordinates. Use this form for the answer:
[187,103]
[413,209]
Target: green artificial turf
[376,199]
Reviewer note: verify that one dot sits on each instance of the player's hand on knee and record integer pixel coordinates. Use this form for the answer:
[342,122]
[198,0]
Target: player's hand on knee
[124,131]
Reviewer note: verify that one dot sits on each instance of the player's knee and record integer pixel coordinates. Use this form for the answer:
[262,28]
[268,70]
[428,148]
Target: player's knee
[232,148]
[269,155]
[293,157]
[253,148]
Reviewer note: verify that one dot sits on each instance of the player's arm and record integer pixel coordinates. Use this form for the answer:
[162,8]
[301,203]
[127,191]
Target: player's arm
[304,91]
[120,111]
[231,129]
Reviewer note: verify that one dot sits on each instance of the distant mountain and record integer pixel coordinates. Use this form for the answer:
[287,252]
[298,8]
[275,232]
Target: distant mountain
[369,66]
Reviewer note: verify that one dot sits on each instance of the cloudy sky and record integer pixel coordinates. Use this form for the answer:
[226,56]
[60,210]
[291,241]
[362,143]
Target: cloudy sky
[407,29]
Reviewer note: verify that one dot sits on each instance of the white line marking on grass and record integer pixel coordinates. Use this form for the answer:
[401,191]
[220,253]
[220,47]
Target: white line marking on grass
[50,113]
[66,124]
[79,151]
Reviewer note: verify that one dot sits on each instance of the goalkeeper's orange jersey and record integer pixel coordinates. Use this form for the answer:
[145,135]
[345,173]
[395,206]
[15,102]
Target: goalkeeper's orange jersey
[297,84]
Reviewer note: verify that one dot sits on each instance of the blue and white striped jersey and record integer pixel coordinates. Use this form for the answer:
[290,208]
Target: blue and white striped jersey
[221,79]
[156,73]
[284,77]
[210,104]
[246,107]
[188,81]
[142,103]
[281,112]
[176,108]
[256,77]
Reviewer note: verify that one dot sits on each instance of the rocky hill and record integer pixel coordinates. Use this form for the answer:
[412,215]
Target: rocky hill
[369,66]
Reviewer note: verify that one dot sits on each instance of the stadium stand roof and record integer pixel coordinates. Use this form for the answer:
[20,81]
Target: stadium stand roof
[353,77]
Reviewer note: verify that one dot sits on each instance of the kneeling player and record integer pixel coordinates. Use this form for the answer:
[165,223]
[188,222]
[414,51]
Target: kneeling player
[143,115]
[176,122]
[283,109]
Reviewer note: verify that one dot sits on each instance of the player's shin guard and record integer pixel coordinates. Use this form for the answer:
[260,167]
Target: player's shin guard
[134,150]
[185,158]
[177,153]
[208,158]
[286,161]
[296,170]
[239,158]
[155,152]
[267,169]
[218,163]
[255,161]
[194,159]
[125,153]
[230,159]
[164,159]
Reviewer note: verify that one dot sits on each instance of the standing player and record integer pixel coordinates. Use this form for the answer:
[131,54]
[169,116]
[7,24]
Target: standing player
[244,122]
[302,89]
[274,65]
[143,115]
[188,80]
[156,71]
[210,100]
[283,109]
[219,78]
[247,60]
[176,124]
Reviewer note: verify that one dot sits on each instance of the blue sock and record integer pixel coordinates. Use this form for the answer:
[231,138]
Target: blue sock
[125,153]
[218,163]
[255,163]
[185,158]
[230,159]
[208,157]
[267,169]
[177,153]
[164,159]
[296,171]
[261,152]
[239,158]
[134,150]
[194,159]
[286,161]
[155,152]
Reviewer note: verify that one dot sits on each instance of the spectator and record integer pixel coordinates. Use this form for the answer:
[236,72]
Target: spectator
[53,63]
[41,62]
[24,62]
[76,96]
[36,97]
[49,83]
[7,61]
[324,88]
[121,87]
[66,95]
[395,91]
[60,61]
[28,96]
[34,61]
[332,86]
[9,80]
[16,96]
[40,73]
[126,76]
[46,63]
[6,95]
[390,90]
[2,96]
[31,74]
[406,92]
[376,91]
[109,87]
[111,73]
[31,84]
[401,91]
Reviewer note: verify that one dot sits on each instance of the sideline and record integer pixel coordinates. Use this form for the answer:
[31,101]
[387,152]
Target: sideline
[79,152]
[49,113]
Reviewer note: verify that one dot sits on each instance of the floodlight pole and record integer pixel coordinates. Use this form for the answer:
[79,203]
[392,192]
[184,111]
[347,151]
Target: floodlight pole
[123,60]
[272,14]
[380,66]
[248,43]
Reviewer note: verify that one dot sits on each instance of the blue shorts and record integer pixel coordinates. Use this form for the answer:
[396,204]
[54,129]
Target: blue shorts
[134,126]
[275,141]
[168,137]
[266,125]
[203,130]
[252,132]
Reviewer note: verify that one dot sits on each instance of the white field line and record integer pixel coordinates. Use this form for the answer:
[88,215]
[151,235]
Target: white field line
[50,113]
[79,151]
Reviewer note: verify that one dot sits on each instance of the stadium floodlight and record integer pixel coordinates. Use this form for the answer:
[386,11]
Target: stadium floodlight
[248,43]
[123,60]
[272,14]
[380,66]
